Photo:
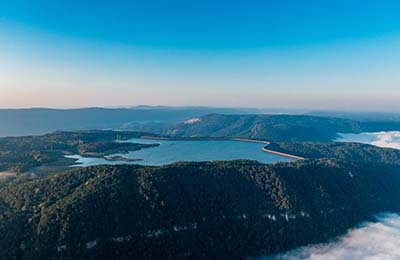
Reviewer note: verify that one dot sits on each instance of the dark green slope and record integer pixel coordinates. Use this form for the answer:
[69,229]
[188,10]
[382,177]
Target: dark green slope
[210,210]
[344,151]
[45,154]
[277,128]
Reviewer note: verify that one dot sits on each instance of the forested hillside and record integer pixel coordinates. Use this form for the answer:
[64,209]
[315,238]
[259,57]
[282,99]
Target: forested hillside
[277,128]
[194,210]
[24,154]
[344,151]
[210,210]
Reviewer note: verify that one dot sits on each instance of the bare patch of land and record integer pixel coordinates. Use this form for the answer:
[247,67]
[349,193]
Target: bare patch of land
[4,175]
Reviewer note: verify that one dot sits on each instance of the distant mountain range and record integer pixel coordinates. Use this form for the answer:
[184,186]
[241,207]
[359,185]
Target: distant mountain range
[19,122]
[162,119]
[359,116]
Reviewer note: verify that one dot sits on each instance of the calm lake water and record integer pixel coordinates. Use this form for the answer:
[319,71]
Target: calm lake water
[173,151]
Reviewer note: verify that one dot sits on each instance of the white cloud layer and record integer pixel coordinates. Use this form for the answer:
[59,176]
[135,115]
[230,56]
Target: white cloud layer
[382,139]
[371,241]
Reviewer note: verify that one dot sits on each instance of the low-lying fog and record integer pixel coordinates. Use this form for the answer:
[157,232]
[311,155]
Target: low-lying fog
[370,241]
[382,139]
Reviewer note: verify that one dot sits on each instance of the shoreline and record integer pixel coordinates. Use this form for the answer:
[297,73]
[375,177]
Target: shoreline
[250,140]
[283,154]
[4,175]
[164,138]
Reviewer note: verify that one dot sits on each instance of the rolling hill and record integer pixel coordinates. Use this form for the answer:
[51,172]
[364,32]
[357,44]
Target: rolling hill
[208,210]
[277,128]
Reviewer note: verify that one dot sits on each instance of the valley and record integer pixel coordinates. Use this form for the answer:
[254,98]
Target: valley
[185,196]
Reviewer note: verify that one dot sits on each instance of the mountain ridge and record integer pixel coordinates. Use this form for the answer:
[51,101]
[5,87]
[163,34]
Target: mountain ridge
[277,128]
[190,210]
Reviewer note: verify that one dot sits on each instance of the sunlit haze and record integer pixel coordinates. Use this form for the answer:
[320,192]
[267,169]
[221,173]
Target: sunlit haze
[314,55]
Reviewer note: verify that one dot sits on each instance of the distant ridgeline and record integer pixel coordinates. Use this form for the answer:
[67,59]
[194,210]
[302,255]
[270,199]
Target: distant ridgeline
[35,121]
[277,128]
[45,154]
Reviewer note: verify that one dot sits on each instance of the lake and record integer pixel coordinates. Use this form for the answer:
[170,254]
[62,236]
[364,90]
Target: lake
[171,151]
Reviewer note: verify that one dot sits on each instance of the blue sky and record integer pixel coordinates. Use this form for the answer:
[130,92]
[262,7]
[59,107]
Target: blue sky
[290,54]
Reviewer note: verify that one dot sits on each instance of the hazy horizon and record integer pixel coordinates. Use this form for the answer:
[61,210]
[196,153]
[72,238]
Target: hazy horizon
[319,56]
[282,110]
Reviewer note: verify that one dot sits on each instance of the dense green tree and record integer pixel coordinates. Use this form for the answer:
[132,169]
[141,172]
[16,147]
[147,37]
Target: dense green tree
[202,210]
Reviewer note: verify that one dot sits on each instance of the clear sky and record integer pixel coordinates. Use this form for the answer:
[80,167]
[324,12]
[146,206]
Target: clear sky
[336,54]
